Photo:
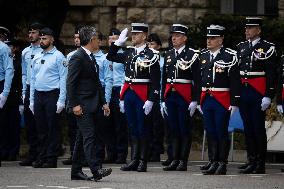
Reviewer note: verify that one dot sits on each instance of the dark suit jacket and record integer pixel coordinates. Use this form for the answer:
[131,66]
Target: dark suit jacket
[83,85]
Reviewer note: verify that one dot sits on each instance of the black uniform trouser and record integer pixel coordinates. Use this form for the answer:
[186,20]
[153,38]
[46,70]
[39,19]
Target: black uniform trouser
[85,144]
[47,123]
[118,136]
[30,127]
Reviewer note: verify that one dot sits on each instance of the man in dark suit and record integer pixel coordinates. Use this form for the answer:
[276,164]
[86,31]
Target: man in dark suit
[86,96]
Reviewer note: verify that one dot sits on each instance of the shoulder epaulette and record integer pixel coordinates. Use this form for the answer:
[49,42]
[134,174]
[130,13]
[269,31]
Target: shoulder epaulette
[272,44]
[204,51]
[196,51]
[129,47]
[154,51]
[230,51]
[241,43]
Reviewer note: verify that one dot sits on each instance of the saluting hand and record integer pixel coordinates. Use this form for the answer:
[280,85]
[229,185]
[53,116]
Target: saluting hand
[77,110]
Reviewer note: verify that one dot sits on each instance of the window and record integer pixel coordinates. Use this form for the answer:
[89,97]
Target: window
[250,7]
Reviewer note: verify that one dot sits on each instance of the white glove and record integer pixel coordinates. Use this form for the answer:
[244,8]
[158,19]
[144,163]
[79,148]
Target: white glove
[163,109]
[122,38]
[31,107]
[199,109]
[21,109]
[2,100]
[121,106]
[148,107]
[60,107]
[265,103]
[233,109]
[192,107]
[23,98]
[280,109]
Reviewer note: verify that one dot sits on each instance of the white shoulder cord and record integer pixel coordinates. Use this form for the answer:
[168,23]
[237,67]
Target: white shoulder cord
[267,55]
[223,64]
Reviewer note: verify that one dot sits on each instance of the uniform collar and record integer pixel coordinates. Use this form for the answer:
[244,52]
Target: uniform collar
[50,51]
[214,53]
[140,49]
[254,42]
[180,49]
[99,53]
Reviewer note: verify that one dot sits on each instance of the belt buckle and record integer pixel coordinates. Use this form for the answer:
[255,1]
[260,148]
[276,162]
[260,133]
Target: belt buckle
[173,89]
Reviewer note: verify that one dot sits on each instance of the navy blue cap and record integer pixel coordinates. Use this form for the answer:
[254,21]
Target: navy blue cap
[179,28]
[253,21]
[114,31]
[46,31]
[139,27]
[215,31]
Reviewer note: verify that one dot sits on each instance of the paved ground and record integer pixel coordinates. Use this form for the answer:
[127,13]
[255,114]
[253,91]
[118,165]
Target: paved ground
[14,176]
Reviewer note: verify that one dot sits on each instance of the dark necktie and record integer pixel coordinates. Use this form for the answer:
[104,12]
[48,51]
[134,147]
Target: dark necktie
[250,44]
[211,57]
[177,53]
[93,60]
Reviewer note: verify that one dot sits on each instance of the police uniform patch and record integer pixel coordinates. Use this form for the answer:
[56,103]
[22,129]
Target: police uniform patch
[65,63]
[203,61]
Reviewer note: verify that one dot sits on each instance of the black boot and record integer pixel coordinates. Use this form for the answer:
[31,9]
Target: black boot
[249,169]
[173,165]
[210,154]
[142,167]
[214,152]
[184,153]
[167,162]
[261,141]
[222,169]
[132,166]
[251,155]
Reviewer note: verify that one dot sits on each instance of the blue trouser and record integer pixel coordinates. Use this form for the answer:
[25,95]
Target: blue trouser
[180,125]
[30,127]
[254,124]
[47,124]
[216,122]
[135,115]
[119,135]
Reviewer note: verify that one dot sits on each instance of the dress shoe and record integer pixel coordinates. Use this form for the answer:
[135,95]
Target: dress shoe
[259,169]
[142,167]
[67,161]
[38,164]
[101,173]
[249,170]
[26,162]
[120,161]
[49,165]
[206,166]
[167,162]
[172,166]
[80,176]
[132,166]
[244,166]
[182,166]
[222,169]
[212,169]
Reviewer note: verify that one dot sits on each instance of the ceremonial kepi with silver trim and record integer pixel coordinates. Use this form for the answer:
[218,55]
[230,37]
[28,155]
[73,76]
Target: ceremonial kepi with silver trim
[139,27]
[179,28]
[215,31]
[253,21]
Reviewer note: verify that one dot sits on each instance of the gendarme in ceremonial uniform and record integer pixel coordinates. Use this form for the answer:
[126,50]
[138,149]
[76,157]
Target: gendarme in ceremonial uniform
[220,95]
[180,95]
[140,90]
[258,70]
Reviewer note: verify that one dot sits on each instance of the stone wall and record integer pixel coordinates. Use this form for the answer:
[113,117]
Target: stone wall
[159,14]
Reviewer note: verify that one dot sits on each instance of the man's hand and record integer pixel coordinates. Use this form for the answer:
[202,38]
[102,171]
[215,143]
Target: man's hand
[265,103]
[21,109]
[121,106]
[60,107]
[77,110]
[148,107]
[2,100]
[31,107]
[192,107]
[106,110]
[122,38]
[163,109]
[280,108]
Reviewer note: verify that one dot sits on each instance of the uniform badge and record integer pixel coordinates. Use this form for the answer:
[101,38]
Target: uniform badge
[219,70]
[65,63]
[156,92]
[169,60]
[260,50]
[203,61]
